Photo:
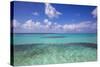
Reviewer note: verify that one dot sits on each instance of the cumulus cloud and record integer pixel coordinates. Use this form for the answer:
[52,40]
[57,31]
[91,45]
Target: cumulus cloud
[16,23]
[31,25]
[28,24]
[35,13]
[50,11]
[94,13]
[52,27]
[79,26]
[47,22]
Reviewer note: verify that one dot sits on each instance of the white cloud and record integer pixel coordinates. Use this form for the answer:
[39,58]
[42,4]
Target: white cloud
[50,11]
[47,25]
[16,23]
[52,27]
[47,22]
[58,28]
[35,13]
[68,27]
[79,26]
[94,13]
[28,24]
[33,25]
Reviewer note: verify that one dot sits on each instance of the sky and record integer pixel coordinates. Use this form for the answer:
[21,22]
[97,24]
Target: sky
[32,17]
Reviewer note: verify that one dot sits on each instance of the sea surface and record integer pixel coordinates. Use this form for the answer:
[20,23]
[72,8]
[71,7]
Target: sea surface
[49,48]
[54,38]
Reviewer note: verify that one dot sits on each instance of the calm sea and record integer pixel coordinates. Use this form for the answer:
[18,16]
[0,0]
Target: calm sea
[50,38]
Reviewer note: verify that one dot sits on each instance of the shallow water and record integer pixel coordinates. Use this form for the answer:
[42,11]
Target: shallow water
[35,49]
[53,54]
[54,38]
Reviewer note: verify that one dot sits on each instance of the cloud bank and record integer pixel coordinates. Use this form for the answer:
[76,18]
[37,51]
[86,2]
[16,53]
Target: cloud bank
[52,27]
[47,26]
[15,23]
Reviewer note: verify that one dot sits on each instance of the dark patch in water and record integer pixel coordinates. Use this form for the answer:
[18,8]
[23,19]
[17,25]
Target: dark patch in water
[43,46]
[91,45]
[54,37]
[24,47]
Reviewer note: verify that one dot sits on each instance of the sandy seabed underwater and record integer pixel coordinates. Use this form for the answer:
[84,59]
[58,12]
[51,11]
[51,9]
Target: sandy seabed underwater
[43,53]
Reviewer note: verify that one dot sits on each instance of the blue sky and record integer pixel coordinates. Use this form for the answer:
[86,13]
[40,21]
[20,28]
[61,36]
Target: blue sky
[32,17]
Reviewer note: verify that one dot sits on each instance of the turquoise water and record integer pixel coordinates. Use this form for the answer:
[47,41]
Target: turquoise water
[52,54]
[35,49]
[54,38]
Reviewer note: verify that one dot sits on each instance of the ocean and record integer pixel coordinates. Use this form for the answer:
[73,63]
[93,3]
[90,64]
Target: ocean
[53,48]
[54,38]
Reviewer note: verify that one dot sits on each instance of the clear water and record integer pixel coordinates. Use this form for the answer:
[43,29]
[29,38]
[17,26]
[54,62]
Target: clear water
[35,49]
[54,38]
[49,54]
